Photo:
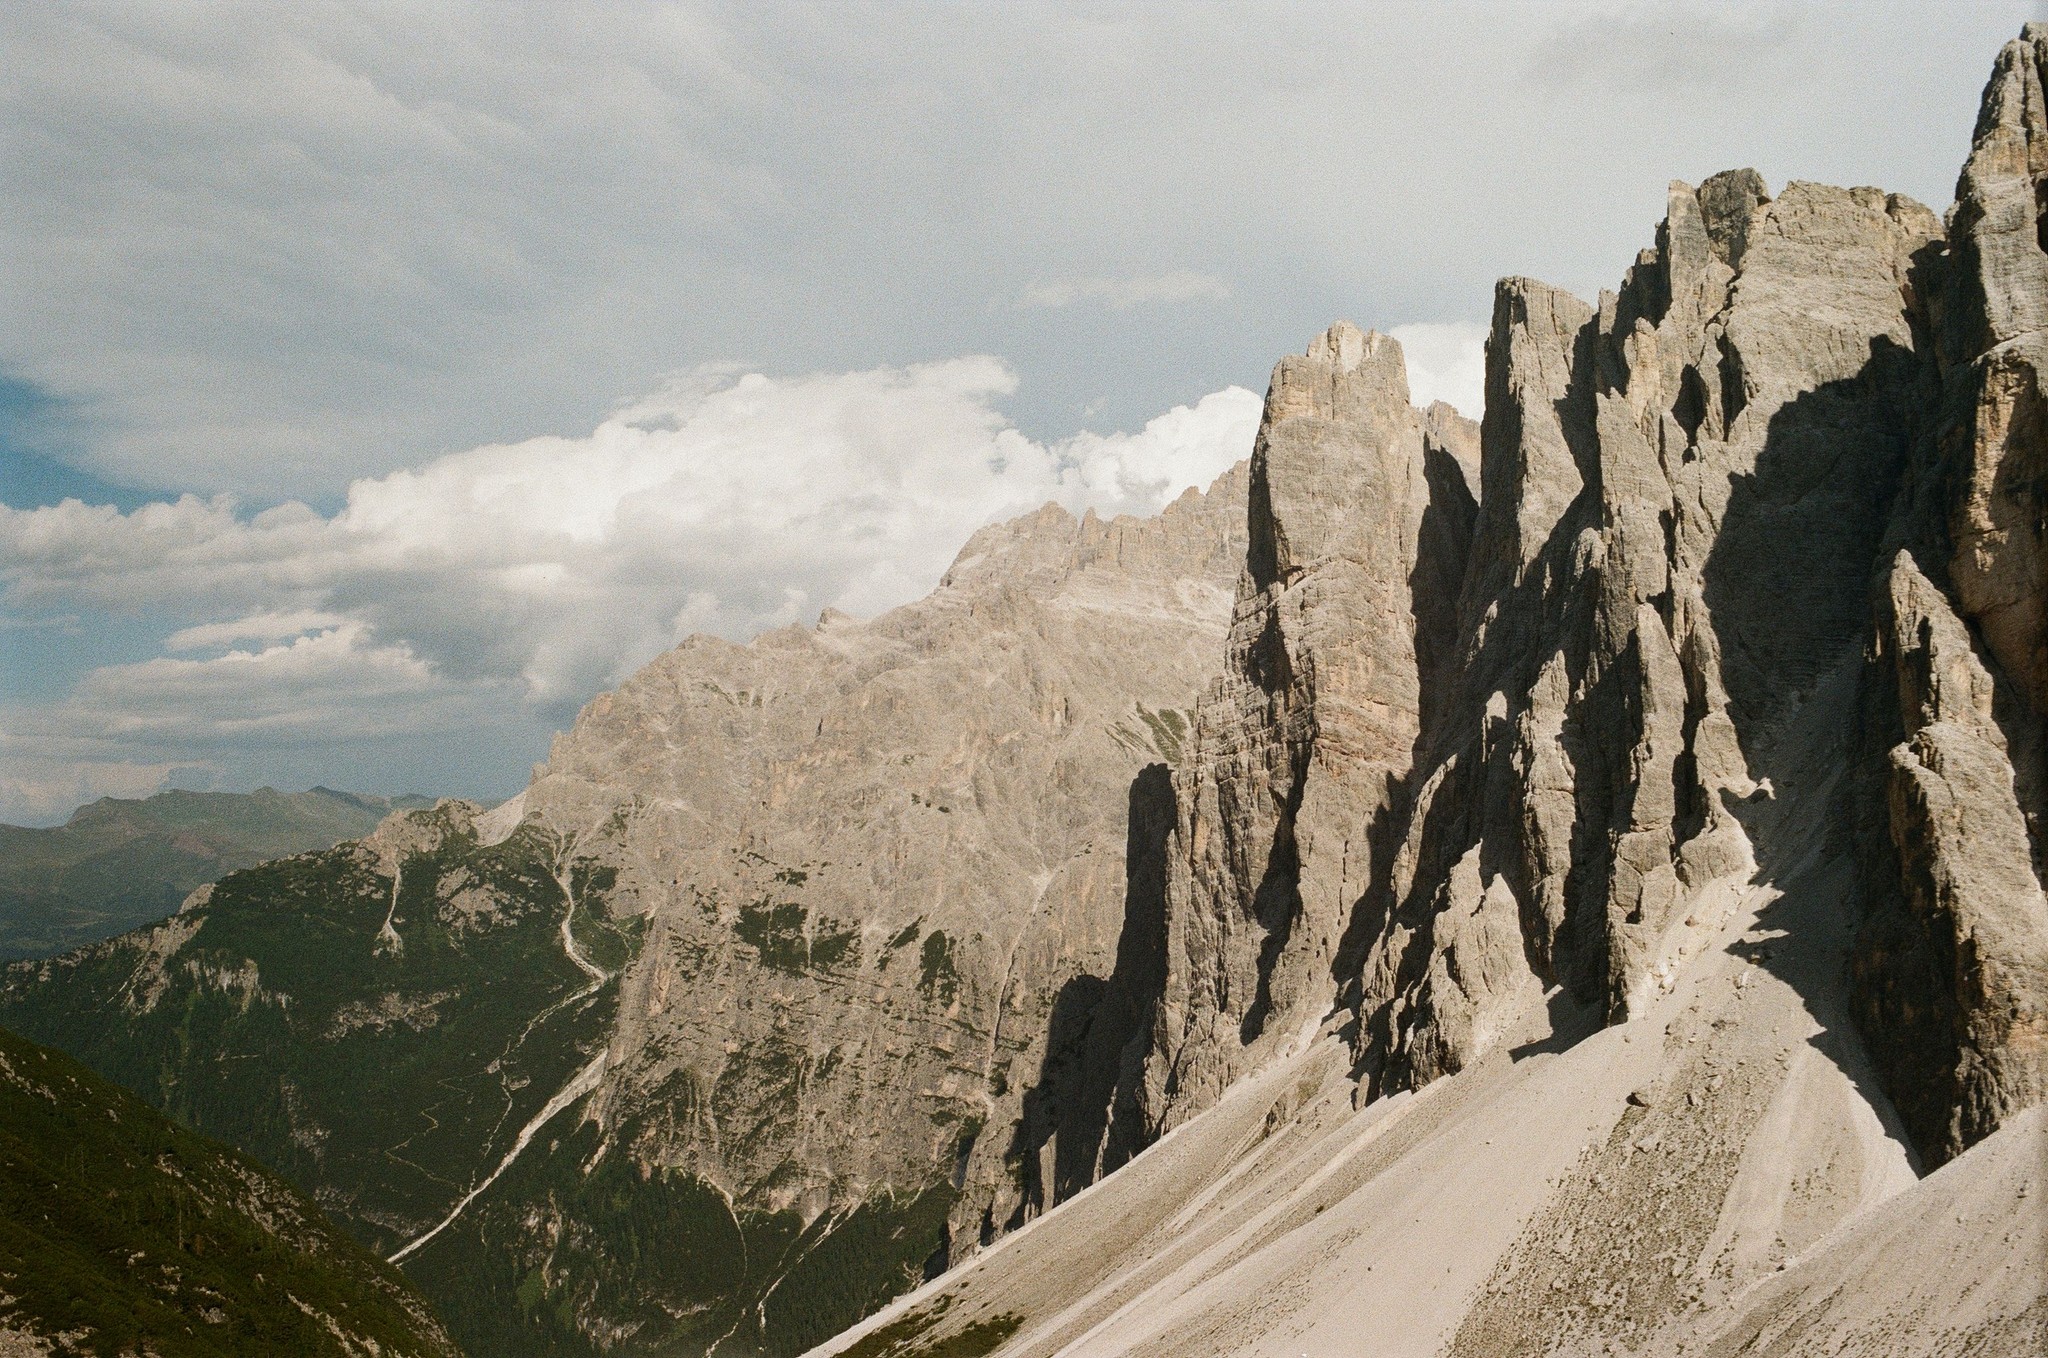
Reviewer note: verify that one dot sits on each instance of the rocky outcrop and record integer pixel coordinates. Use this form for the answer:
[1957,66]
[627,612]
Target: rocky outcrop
[1422,816]
[1952,967]
[1691,495]
[1358,527]
[1954,962]
[1593,966]
[1730,418]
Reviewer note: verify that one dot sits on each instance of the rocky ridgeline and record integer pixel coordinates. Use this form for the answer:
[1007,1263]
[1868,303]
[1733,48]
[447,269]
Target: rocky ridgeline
[1805,434]
[886,863]
[1599,895]
[1717,652]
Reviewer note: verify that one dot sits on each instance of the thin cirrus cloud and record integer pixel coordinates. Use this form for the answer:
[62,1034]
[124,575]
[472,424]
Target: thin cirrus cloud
[483,595]
[1121,294]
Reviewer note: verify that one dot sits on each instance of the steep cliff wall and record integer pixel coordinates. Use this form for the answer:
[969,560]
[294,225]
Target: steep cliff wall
[1804,428]
[1601,967]
[801,967]
[1359,522]
[1952,966]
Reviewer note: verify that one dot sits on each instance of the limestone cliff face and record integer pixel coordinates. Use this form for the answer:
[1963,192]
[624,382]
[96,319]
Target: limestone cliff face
[1693,479]
[1413,820]
[885,865]
[1683,491]
[1953,962]
[1592,905]
[1952,967]
[1359,521]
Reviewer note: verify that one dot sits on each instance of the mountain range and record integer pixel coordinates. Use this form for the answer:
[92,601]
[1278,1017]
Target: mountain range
[123,862]
[1570,884]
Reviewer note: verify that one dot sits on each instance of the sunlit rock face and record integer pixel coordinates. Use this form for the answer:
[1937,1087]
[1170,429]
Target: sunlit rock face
[886,863]
[1801,437]
[1597,899]
[799,968]
[1549,877]
[891,881]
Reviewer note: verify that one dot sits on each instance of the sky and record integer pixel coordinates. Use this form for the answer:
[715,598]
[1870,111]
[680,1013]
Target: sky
[378,383]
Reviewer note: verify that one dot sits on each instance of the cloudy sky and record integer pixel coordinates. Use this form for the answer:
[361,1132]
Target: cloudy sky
[379,382]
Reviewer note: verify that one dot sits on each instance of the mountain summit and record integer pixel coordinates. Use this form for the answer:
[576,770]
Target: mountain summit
[1597,966]
[1568,885]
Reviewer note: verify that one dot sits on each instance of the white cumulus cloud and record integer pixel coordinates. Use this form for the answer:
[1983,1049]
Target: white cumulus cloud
[523,577]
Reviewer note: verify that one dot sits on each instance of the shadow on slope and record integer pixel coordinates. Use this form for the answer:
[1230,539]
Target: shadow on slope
[1080,1119]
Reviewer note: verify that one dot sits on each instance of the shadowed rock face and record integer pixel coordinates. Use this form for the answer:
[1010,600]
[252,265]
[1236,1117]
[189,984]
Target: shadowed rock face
[1728,620]
[1414,821]
[1359,523]
[1952,970]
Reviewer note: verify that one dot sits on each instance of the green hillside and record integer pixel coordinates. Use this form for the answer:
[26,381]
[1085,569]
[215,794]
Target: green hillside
[119,863]
[380,1069]
[121,1232]
[389,1072]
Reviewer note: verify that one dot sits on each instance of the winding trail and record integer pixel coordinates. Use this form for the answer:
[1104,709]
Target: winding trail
[598,975]
[581,1083]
